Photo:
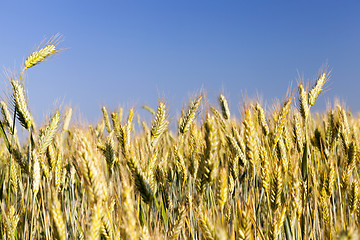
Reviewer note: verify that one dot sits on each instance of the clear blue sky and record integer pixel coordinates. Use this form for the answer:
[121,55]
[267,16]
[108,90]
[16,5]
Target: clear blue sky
[130,53]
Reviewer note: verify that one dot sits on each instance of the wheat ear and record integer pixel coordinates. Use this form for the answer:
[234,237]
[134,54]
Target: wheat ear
[10,221]
[106,119]
[7,117]
[250,143]
[67,119]
[207,166]
[262,119]
[206,227]
[317,89]
[110,151]
[354,196]
[224,107]
[94,230]
[280,123]
[222,192]
[58,216]
[277,224]
[276,186]
[90,169]
[141,183]
[20,103]
[106,228]
[303,100]
[159,124]
[36,177]
[178,225]
[43,52]
[186,121]
[48,134]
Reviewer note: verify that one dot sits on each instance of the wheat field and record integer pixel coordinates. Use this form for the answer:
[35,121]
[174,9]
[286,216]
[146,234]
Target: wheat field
[279,173]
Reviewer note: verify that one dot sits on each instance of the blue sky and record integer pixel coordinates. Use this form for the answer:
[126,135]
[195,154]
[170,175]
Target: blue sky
[130,53]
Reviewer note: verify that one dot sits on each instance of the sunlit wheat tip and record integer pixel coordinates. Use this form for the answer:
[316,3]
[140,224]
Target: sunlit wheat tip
[262,119]
[224,107]
[106,119]
[43,52]
[186,121]
[303,100]
[159,124]
[317,89]
[67,119]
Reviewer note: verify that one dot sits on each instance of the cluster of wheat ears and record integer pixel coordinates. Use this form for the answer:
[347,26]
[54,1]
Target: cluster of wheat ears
[283,175]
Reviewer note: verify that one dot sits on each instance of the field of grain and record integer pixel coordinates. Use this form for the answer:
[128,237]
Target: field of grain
[287,173]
